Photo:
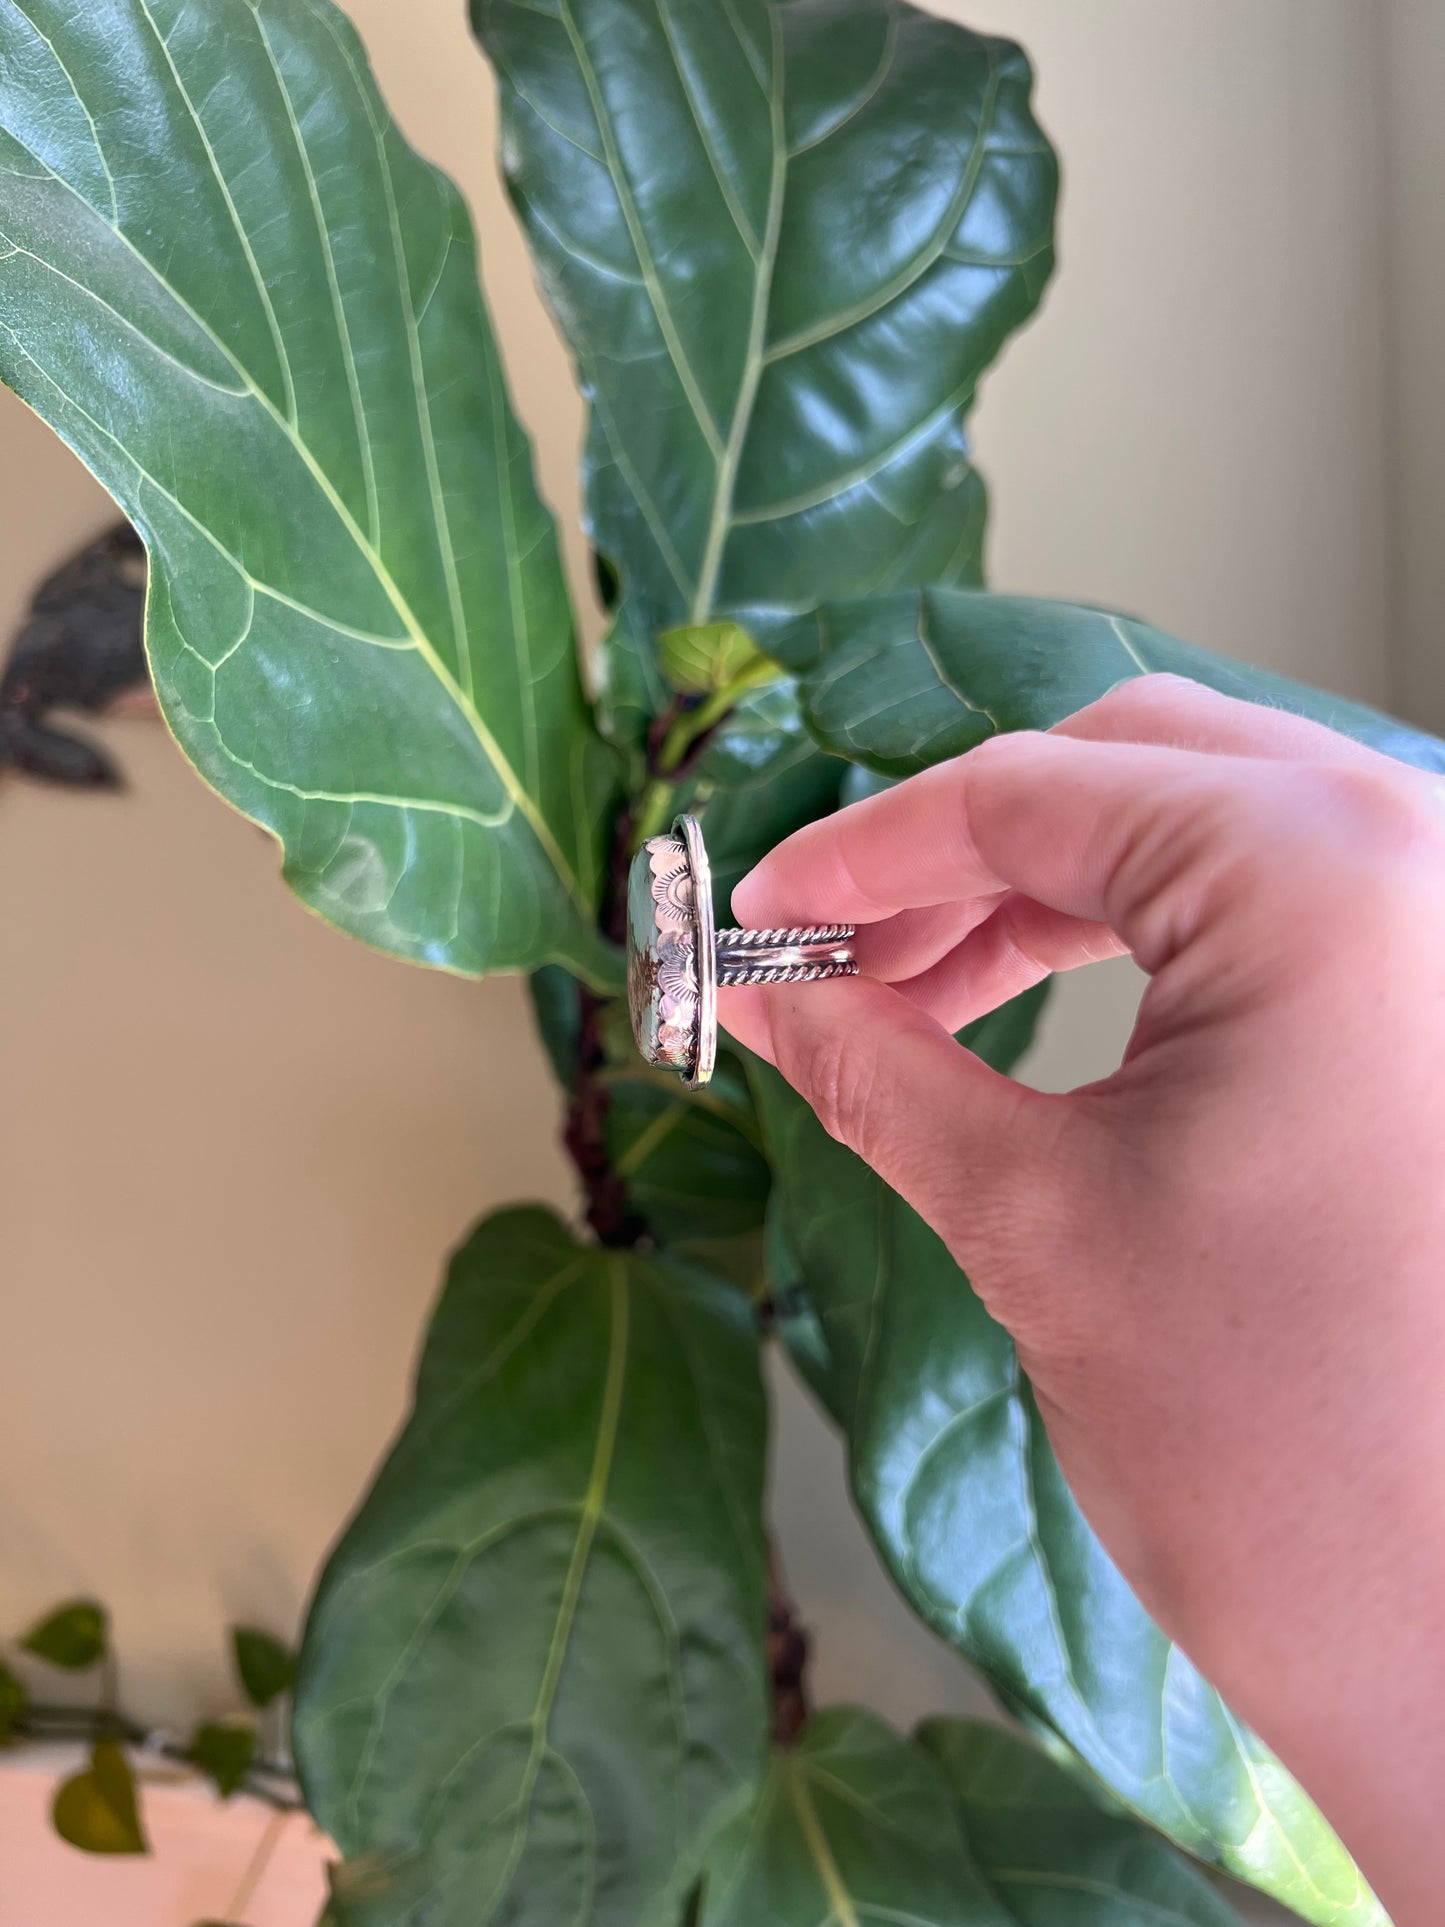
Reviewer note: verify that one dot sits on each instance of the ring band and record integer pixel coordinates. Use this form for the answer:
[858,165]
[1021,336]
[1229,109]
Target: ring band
[676,960]
[785,956]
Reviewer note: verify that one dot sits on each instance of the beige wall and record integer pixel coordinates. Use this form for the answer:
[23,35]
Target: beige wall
[233,1146]
[1414,68]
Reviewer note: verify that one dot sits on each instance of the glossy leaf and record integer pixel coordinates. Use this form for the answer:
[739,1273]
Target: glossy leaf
[555,1010]
[1048,1851]
[97,1810]
[264,1666]
[761,736]
[905,681]
[692,1160]
[224,1753]
[13,1701]
[956,1480]
[742,824]
[253,311]
[855,1827]
[784,241]
[532,1683]
[74,1636]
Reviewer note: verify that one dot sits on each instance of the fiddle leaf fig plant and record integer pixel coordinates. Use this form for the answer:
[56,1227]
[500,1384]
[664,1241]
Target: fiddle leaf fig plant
[550,1675]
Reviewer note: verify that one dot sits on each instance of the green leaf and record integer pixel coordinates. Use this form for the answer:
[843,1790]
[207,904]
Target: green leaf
[701,658]
[742,825]
[784,242]
[692,1160]
[1049,1852]
[1003,1036]
[224,1753]
[558,1017]
[13,1701]
[532,1684]
[855,1826]
[252,310]
[953,1473]
[900,682]
[264,1666]
[763,735]
[74,1636]
[97,1810]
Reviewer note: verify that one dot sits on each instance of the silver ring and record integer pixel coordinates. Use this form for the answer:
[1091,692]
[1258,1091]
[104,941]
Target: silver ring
[676,959]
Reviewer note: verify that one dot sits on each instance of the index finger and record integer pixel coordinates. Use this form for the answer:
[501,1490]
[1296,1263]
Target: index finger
[900,850]
[915,846]
[1094,830]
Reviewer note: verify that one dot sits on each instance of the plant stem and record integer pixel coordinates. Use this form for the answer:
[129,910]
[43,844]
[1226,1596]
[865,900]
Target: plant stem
[674,741]
[585,1133]
[787,1653]
[43,1722]
[689,726]
[256,1867]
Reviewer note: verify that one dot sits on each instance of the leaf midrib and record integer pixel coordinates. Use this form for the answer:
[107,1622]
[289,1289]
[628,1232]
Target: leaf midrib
[830,1876]
[593,1504]
[720,519]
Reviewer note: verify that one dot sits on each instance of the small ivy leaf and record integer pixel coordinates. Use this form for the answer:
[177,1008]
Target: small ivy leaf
[266,1667]
[224,1754]
[97,1810]
[13,1701]
[698,658]
[73,1636]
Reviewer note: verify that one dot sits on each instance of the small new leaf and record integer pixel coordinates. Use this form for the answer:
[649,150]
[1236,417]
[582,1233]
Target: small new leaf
[699,658]
[96,1810]
[224,1754]
[74,1636]
[265,1667]
[13,1701]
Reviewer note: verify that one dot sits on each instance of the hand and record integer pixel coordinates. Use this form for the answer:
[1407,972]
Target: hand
[1224,1266]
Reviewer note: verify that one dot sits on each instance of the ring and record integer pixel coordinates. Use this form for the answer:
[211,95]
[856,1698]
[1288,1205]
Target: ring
[676,959]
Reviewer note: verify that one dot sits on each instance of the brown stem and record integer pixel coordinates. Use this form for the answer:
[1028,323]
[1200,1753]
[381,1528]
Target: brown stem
[787,1651]
[585,1133]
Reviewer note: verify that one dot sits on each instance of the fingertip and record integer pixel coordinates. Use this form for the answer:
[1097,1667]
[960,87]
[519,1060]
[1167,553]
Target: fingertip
[757,898]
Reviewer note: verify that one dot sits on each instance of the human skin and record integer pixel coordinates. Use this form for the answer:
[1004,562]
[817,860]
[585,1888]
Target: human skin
[1224,1265]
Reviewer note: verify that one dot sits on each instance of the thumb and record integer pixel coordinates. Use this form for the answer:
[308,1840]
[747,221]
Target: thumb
[970,1150]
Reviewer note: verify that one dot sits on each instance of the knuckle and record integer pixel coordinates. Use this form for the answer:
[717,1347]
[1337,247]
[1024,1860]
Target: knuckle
[840,1078]
[1395,818]
[1159,693]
